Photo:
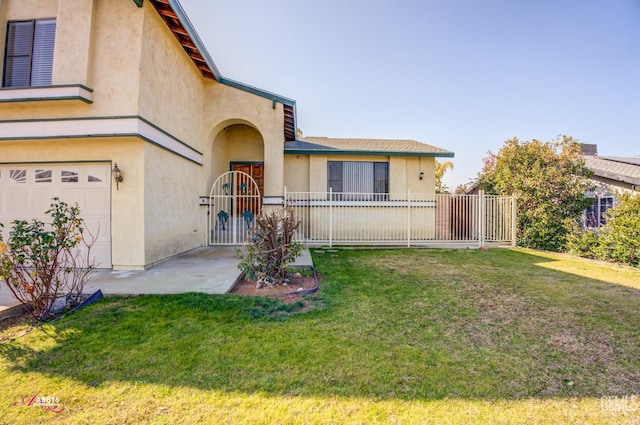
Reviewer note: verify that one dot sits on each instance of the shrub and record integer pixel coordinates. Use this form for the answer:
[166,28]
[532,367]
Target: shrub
[582,242]
[270,247]
[617,241]
[41,262]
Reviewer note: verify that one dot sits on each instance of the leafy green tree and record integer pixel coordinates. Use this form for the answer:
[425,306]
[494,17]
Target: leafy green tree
[460,189]
[441,169]
[548,180]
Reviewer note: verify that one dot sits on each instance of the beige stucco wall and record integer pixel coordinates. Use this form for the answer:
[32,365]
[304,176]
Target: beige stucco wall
[171,211]
[73,42]
[297,175]
[413,167]
[30,9]
[127,208]
[234,143]
[255,111]
[318,173]
[106,56]
[115,59]
[171,86]
[397,175]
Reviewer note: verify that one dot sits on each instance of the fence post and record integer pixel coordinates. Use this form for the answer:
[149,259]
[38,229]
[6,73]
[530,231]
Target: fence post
[409,218]
[514,221]
[481,218]
[330,217]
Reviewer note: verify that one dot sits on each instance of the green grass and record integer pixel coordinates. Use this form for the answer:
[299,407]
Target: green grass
[394,336]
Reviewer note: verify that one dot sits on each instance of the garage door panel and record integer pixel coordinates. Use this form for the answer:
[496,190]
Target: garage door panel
[97,229]
[26,192]
[18,201]
[95,202]
[41,201]
[99,252]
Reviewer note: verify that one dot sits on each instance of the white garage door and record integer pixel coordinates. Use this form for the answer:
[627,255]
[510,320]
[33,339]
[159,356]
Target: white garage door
[26,192]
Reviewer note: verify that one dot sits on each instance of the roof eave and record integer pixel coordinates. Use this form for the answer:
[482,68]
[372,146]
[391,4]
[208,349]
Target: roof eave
[189,28]
[186,23]
[367,153]
[256,91]
[615,177]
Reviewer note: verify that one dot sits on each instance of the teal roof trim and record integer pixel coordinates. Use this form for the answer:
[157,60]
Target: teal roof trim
[257,91]
[328,151]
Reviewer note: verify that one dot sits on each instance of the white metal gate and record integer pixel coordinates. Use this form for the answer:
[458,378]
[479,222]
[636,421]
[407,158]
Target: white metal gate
[234,202]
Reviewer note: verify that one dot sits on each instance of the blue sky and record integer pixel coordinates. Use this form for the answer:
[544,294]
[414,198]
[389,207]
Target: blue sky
[463,75]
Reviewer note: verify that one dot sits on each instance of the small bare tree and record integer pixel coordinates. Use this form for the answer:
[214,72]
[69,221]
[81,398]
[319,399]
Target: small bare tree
[41,262]
[271,247]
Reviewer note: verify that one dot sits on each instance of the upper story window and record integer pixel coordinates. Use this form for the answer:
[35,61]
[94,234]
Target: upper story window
[595,215]
[28,59]
[358,178]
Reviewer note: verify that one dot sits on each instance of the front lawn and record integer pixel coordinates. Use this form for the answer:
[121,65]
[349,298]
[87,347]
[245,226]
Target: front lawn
[394,336]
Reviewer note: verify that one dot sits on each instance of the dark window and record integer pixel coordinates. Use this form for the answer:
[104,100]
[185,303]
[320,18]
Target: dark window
[28,59]
[595,215]
[358,177]
[380,177]
[334,176]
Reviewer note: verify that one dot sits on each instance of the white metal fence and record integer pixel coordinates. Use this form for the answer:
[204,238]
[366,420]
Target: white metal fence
[403,219]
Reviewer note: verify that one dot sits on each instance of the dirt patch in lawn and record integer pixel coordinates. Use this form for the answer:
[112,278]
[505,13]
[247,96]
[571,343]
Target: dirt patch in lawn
[287,294]
[15,327]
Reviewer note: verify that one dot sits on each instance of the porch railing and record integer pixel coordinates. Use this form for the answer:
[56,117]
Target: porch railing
[403,218]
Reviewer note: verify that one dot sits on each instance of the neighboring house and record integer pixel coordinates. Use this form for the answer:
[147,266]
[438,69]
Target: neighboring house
[611,177]
[87,84]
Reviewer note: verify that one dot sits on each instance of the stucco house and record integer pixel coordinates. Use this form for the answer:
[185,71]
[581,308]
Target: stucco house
[88,85]
[611,177]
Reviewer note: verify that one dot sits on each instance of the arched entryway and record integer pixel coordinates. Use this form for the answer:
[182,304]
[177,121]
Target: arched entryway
[237,146]
[234,202]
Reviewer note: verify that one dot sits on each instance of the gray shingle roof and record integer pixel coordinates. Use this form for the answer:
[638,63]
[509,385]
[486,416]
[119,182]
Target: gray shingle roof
[620,169]
[390,147]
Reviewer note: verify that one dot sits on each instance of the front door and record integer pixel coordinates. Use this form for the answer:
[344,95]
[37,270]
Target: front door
[256,171]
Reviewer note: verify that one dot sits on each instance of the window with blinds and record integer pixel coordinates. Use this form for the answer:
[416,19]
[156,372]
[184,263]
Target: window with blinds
[358,177]
[28,59]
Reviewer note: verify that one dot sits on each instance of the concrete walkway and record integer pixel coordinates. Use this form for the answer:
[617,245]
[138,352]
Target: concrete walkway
[9,306]
[212,270]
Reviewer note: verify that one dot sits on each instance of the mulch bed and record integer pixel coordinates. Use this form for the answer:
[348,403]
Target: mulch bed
[286,293]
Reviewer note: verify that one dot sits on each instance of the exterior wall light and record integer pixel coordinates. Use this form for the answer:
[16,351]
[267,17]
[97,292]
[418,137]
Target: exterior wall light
[421,175]
[117,175]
